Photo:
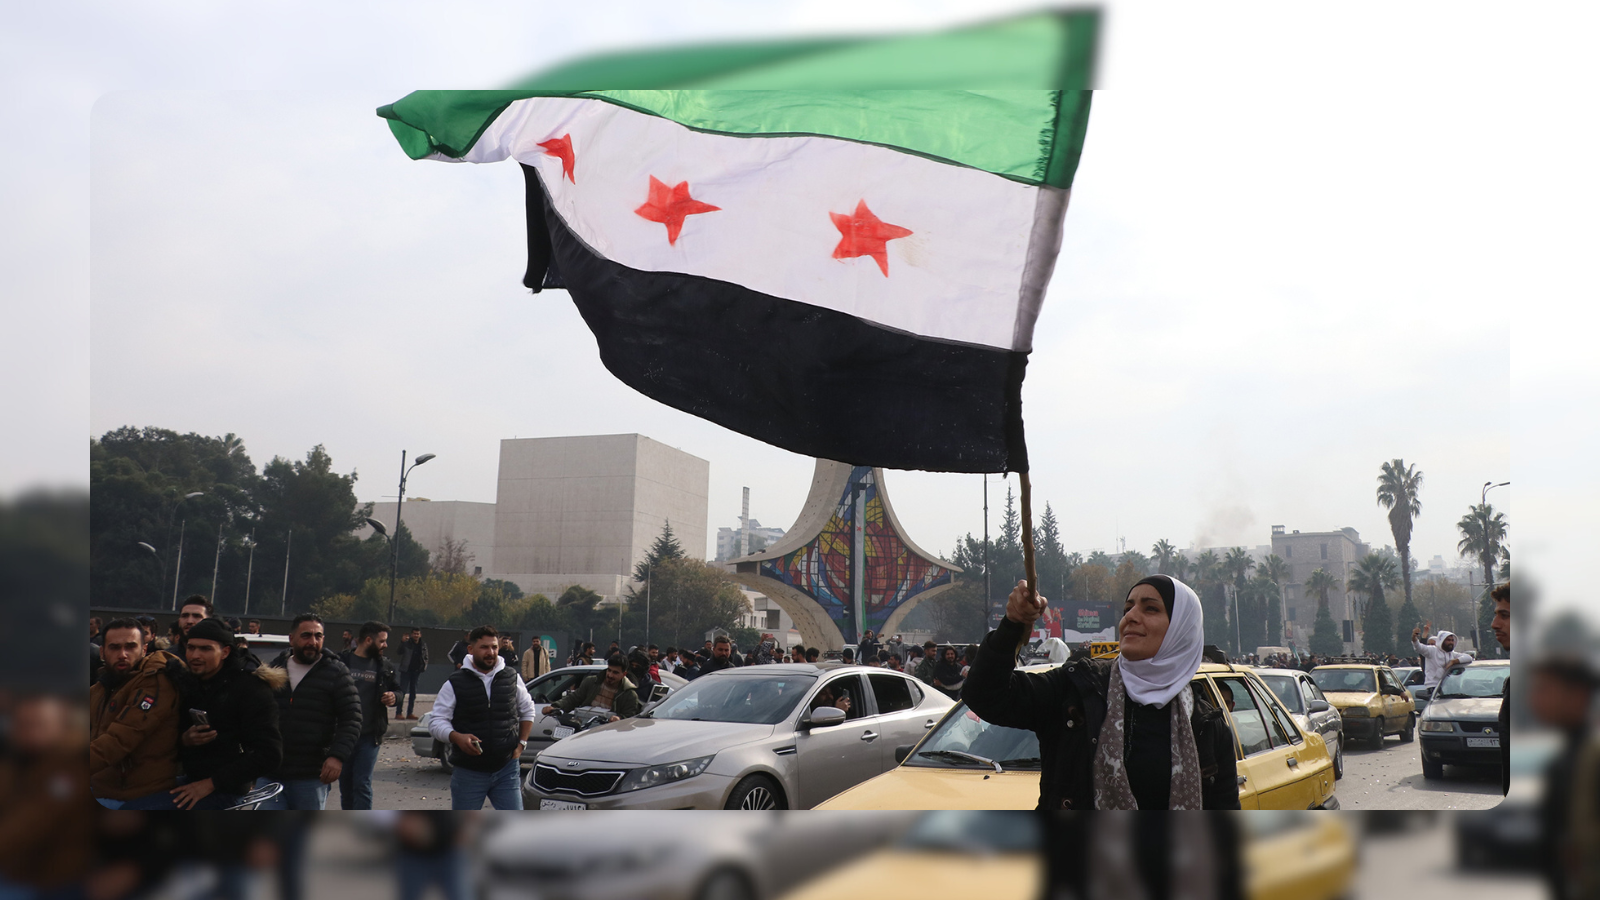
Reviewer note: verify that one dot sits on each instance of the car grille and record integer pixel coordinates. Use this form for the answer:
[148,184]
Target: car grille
[587,783]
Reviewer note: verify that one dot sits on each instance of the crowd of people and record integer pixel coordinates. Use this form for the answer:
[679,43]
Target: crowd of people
[194,719]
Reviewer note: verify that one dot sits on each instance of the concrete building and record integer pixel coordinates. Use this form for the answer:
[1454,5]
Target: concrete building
[1305,552]
[584,510]
[760,538]
[433,522]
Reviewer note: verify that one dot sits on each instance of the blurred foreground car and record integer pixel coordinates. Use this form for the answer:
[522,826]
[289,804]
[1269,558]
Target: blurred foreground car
[1508,836]
[759,737]
[1461,726]
[616,856]
[967,763]
[545,690]
[997,856]
[1371,701]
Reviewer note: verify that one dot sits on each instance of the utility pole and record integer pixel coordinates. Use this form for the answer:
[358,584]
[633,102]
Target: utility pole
[177,573]
[744,526]
[249,570]
[288,545]
[216,566]
[988,592]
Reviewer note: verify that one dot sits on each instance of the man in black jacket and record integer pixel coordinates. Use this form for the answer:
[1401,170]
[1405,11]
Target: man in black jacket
[319,717]
[413,662]
[238,740]
[376,684]
[721,656]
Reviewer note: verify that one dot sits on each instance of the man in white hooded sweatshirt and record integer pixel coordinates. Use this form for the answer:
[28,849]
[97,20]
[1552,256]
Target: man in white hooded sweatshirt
[1438,657]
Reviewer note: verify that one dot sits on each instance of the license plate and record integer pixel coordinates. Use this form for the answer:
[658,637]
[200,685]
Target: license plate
[561,804]
[562,731]
[1483,742]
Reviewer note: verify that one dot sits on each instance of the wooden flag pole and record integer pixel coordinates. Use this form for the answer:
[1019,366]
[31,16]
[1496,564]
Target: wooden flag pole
[1027,535]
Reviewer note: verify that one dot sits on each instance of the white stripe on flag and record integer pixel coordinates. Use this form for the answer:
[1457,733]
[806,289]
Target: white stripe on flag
[964,274]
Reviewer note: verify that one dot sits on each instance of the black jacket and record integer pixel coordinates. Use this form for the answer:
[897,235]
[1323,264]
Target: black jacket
[240,705]
[388,682]
[1065,707]
[413,657]
[319,718]
[717,665]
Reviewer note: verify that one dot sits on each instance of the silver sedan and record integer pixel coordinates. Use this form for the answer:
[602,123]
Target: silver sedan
[1310,708]
[761,737]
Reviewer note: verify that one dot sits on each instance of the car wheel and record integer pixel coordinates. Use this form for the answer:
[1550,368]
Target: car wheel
[755,792]
[726,884]
[1432,770]
[1410,734]
[1338,761]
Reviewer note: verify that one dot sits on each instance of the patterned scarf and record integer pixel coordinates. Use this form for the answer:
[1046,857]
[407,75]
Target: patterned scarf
[1111,788]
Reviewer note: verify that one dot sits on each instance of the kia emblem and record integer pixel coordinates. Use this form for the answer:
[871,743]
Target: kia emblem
[573,765]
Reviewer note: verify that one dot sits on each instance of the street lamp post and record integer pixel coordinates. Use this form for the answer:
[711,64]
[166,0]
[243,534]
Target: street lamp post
[1483,496]
[249,569]
[172,511]
[216,566]
[394,542]
[288,545]
[162,586]
[1483,501]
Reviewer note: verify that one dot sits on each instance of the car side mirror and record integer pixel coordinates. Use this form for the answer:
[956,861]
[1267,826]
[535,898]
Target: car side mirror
[901,752]
[823,716]
[1318,706]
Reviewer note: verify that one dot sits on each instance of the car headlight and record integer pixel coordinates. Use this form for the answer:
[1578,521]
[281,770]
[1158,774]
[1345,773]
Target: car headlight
[639,779]
[1356,712]
[1437,725]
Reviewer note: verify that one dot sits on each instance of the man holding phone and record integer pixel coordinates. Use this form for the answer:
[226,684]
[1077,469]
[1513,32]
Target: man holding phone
[230,727]
[484,713]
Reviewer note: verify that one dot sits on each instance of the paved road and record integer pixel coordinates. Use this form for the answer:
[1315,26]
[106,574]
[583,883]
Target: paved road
[403,780]
[1391,778]
[1421,864]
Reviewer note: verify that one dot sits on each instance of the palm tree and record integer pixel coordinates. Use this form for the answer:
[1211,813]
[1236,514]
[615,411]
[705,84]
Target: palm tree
[1398,488]
[1320,583]
[1238,564]
[1206,567]
[1163,552]
[1101,558]
[1277,570]
[1483,534]
[1373,573]
[1139,561]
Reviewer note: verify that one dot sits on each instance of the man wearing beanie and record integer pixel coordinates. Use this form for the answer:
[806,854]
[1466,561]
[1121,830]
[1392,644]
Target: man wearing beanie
[239,740]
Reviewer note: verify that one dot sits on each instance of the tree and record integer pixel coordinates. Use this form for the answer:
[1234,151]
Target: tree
[1139,561]
[1373,573]
[508,588]
[1102,559]
[665,547]
[956,615]
[1123,580]
[1237,564]
[1325,637]
[1398,489]
[1256,624]
[320,506]
[1379,627]
[1050,556]
[1277,570]
[452,557]
[1209,576]
[1092,583]
[1445,603]
[1320,582]
[688,597]
[1407,619]
[1164,553]
[1483,534]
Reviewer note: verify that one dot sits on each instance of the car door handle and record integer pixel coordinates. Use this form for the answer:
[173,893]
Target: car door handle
[928,724]
[869,735]
[1242,780]
[1294,761]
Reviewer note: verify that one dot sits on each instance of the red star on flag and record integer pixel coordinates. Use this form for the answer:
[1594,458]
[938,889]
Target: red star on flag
[561,148]
[864,234]
[669,206]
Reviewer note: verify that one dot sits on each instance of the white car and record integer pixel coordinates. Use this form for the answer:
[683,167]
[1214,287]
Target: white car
[757,737]
[545,690]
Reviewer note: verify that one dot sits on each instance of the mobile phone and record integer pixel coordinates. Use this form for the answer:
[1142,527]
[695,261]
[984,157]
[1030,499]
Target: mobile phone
[477,745]
[199,717]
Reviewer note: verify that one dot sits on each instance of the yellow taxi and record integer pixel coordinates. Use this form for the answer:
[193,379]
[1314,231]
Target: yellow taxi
[1369,699]
[967,763]
[1286,855]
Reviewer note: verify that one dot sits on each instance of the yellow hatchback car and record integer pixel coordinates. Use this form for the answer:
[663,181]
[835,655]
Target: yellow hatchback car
[998,856]
[967,763]
[1370,700]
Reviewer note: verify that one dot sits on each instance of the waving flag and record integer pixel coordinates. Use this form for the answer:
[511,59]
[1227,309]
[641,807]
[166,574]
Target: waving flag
[849,274]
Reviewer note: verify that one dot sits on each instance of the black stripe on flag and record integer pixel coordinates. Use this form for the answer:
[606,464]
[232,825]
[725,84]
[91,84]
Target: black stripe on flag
[807,379]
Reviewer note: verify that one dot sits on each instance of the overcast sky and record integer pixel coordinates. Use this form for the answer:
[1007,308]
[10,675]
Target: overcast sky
[1295,249]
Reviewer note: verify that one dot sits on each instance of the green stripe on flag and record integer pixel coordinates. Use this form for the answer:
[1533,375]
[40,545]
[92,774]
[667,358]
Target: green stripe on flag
[897,92]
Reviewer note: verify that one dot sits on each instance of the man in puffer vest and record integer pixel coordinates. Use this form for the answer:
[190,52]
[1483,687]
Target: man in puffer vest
[484,713]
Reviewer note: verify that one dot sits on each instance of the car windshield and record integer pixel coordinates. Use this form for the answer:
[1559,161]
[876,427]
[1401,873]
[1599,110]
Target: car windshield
[1288,692]
[964,741]
[974,831]
[1473,681]
[1358,680]
[736,698]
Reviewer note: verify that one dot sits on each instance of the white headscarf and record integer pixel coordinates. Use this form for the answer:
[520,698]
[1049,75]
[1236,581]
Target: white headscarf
[1155,681]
